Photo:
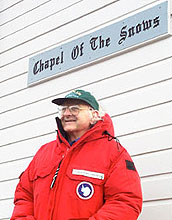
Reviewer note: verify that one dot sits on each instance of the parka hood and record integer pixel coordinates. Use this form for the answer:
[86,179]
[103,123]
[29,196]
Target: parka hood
[107,125]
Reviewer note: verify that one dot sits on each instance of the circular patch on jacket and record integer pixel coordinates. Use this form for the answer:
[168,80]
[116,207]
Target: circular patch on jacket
[85,190]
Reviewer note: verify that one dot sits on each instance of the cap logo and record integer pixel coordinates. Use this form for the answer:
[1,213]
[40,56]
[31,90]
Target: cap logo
[85,190]
[76,92]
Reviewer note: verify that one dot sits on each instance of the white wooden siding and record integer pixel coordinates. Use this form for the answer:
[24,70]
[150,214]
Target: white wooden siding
[135,88]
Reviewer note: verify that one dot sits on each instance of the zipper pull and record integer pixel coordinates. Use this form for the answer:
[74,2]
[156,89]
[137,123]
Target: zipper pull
[55,175]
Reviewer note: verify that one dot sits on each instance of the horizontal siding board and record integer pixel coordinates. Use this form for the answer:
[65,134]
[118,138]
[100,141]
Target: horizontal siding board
[7,189]
[14,168]
[123,81]
[129,79]
[6,209]
[28,130]
[138,99]
[13,85]
[60,19]
[18,10]
[148,141]
[56,21]
[28,113]
[36,15]
[154,163]
[5,4]
[23,149]
[158,211]
[14,69]
[143,119]
[124,124]
[157,188]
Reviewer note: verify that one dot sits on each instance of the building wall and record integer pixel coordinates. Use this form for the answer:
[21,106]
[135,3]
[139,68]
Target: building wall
[134,87]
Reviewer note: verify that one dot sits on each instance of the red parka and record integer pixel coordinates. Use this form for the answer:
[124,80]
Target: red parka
[93,179]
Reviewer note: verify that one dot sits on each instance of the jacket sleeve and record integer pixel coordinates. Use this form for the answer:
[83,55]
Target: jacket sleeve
[23,201]
[122,192]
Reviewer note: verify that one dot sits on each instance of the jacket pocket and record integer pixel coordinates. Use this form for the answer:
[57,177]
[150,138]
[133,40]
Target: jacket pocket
[40,173]
[85,189]
[85,184]
[41,180]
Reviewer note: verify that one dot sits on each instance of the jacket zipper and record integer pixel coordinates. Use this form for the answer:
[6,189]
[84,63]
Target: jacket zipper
[55,175]
[54,179]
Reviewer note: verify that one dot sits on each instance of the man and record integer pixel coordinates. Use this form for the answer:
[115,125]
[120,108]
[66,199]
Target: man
[84,174]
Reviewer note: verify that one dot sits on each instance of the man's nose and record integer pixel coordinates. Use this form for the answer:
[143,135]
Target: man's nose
[67,112]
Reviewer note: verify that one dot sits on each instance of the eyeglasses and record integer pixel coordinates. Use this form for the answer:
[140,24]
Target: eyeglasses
[74,109]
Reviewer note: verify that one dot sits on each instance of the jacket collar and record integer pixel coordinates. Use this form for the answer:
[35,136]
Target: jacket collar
[93,133]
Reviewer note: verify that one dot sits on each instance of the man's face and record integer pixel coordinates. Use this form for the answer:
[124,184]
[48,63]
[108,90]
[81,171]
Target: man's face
[76,125]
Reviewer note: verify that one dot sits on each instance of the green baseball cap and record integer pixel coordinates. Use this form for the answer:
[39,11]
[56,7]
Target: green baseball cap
[79,95]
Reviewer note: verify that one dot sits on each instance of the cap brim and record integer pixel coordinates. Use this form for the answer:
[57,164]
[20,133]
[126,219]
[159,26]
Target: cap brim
[59,101]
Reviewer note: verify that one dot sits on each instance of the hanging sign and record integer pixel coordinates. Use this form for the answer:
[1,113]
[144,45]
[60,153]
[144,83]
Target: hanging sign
[139,28]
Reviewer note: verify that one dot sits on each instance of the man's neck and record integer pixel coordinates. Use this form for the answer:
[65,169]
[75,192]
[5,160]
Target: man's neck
[74,135]
[72,142]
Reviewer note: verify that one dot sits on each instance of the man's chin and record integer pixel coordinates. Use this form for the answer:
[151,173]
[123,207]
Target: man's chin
[69,128]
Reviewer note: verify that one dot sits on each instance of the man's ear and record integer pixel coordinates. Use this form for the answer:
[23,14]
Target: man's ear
[95,117]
